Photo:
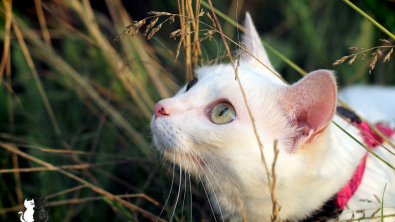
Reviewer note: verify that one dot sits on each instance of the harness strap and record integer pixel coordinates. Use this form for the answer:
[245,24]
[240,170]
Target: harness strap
[336,204]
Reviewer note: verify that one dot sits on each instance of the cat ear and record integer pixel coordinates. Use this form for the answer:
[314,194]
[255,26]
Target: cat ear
[310,104]
[254,45]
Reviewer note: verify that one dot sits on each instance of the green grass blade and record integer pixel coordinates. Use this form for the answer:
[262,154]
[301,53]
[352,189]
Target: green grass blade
[301,71]
[369,18]
[360,143]
[382,205]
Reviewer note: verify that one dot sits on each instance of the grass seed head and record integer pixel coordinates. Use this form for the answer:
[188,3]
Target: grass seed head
[385,41]
[353,48]
[388,56]
[352,59]
[159,13]
[363,55]
[172,19]
[339,61]
[377,52]
[373,63]
[211,18]
[152,23]
[201,13]
[175,34]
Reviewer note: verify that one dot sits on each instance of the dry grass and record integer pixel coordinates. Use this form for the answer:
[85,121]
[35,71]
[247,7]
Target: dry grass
[377,52]
[136,68]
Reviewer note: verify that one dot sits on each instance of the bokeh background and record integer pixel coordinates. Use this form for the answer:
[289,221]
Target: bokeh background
[72,97]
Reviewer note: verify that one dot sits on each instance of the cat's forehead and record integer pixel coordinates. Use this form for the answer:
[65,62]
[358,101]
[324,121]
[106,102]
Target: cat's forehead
[225,73]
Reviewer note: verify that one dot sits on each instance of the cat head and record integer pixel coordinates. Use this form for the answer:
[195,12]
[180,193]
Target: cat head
[206,127]
[40,202]
[29,204]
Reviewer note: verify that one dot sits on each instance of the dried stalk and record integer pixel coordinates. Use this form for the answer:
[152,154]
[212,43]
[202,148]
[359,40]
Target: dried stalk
[65,167]
[97,189]
[272,184]
[242,90]
[43,23]
[378,52]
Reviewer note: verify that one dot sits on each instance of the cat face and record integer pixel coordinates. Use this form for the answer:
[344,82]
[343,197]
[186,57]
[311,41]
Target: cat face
[186,126]
[29,204]
[40,202]
[207,130]
[183,127]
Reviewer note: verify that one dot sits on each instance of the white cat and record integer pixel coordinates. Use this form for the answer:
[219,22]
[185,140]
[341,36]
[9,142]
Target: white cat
[27,216]
[206,129]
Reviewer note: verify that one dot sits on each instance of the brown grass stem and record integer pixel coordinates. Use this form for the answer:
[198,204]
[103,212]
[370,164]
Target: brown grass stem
[62,66]
[241,88]
[243,215]
[187,4]
[158,75]
[79,152]
[126,76]
[42,21]
[65,191]
[97,189]
[272,185]
[65,167]
[80,200]
[44,95]
[36,77]
[6,47]
[6,64]
[302,72]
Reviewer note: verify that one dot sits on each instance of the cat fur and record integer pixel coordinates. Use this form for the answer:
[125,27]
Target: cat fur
[316,159]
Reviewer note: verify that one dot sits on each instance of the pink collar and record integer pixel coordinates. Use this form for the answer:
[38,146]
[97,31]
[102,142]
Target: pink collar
[348,191]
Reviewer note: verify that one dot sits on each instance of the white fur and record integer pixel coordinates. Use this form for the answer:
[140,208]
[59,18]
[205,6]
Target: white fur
[229,159]
[27,216]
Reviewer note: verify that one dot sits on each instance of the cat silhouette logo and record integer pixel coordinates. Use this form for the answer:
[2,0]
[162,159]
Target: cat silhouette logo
[38,215]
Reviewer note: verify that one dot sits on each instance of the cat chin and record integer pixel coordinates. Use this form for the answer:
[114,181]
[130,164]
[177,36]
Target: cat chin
[184,160]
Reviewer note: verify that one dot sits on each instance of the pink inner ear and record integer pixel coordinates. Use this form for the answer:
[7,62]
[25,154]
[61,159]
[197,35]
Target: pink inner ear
[311,104]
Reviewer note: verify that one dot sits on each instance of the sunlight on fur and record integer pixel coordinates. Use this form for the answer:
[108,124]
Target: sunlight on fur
[316,159]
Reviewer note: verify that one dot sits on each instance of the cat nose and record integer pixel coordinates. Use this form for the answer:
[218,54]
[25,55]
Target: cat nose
[160,110]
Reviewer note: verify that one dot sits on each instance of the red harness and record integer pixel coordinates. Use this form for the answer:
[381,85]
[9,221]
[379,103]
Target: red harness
[348,191]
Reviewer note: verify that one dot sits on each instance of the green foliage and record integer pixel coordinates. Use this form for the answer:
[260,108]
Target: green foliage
[104,109]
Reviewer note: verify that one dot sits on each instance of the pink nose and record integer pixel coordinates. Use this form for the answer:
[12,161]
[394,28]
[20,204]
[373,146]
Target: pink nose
[160,110]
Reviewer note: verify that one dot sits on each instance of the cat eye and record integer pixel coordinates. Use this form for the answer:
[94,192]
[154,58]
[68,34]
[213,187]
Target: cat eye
[191,83]
[222,113]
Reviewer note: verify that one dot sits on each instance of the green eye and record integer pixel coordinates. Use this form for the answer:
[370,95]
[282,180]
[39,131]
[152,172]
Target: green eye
[222,113]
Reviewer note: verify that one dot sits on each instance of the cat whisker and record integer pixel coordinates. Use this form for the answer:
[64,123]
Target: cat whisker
[171,188]
[205,191]
[185,189]
[162,160]
[179,187]
[219,46]
[212,187]
[190,190]
[205,51]
[215,178]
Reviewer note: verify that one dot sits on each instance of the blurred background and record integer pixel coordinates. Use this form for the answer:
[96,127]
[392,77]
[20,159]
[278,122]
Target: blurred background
[72,97]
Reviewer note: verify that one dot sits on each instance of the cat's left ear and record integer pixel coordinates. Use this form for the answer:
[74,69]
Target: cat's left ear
[310,105]
[254,46]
